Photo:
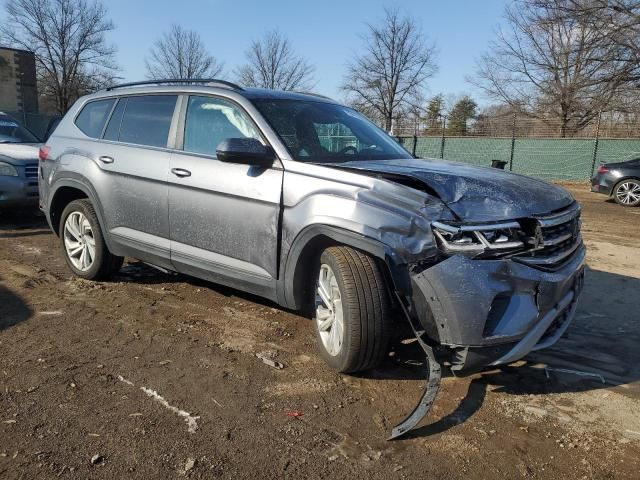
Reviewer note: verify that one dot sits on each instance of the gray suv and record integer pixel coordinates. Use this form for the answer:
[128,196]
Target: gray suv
[303,201]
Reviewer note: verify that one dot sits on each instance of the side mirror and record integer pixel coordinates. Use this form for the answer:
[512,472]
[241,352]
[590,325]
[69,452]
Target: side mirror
[248,151]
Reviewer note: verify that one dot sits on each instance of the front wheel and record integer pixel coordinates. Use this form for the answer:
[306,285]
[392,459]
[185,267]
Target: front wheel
[351,310]
[627,193]
[83,245]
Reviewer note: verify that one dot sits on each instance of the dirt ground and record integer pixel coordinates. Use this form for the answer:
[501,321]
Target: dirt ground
[156,376]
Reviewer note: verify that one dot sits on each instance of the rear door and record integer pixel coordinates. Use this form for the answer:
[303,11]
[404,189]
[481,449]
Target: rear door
[134,160]
[223,216]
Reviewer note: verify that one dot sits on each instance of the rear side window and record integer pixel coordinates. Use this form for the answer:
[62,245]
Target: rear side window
[146,120]
[93,117]
[211,120]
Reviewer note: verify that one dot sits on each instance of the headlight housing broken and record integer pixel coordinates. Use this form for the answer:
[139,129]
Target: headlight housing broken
[483,241]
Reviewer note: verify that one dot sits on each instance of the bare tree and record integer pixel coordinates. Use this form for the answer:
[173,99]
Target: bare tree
[272,63]
[68,39]
[619,20]
[180,54]
[390,75]
[545,62]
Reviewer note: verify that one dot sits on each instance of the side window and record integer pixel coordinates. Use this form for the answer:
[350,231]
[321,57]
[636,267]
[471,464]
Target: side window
[113,127]
[146,120]
[210,120]
[93,117]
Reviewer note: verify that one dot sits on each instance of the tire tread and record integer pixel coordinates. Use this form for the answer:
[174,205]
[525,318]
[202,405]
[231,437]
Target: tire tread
[368,307]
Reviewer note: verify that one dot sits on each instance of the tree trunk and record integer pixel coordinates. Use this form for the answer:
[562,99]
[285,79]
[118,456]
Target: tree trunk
[388,122]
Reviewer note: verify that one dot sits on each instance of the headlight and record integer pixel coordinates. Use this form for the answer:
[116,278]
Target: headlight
[8,170]
[491,240]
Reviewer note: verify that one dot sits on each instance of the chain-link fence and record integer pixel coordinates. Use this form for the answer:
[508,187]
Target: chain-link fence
[544,149]
[548,149]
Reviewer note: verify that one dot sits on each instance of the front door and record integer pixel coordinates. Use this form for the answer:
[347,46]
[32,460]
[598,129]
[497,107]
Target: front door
[223,217]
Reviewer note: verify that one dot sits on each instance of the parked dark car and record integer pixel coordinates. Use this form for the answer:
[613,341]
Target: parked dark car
[18,164]
[620,180]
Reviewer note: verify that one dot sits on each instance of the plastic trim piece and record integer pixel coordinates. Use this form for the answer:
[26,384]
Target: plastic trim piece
[529,342]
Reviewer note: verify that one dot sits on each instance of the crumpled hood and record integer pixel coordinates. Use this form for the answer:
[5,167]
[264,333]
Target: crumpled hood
[474,193]
[19,153]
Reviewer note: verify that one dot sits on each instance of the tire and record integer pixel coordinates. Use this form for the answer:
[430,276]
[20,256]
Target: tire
[363,304]
[627,193]
[79,228]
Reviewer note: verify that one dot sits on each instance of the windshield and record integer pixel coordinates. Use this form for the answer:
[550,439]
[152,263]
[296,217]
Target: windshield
[11,132]
[319,132]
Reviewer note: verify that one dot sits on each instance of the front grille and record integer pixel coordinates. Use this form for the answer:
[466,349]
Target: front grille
[556,239]
[31,171]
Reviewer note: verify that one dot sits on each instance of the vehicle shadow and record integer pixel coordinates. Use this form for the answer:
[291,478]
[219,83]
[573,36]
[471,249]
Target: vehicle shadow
[22,223]
[13,309]
[599,351]
[139,272]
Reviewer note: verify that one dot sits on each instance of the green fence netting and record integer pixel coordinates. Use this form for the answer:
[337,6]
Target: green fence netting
[547,158]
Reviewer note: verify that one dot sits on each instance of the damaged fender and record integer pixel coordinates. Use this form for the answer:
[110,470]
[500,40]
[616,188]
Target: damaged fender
[387,220]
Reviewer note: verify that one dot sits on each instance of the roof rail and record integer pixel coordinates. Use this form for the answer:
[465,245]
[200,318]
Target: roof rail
[313,94]
[218,83]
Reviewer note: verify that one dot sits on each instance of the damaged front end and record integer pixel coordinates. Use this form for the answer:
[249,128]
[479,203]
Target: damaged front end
[503,290]
[501,266]
[486,265]
[501,277]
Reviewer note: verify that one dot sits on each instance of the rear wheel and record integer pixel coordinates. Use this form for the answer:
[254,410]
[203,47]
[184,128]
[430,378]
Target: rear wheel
[351,310]
[627,193]
[83,245]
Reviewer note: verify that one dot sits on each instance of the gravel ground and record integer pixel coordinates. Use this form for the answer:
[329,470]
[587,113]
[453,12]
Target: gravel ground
[156,376]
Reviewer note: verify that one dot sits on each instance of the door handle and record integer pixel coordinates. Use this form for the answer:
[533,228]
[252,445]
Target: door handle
[180,172]
[105,159]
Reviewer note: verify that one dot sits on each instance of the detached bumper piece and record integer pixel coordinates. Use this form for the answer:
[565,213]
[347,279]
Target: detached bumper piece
[430,390]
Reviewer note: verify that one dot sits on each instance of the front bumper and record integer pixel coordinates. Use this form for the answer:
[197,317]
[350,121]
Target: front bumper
[492,312]
[18,192]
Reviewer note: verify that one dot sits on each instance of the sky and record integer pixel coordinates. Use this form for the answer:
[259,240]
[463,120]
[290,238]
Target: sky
[326,32]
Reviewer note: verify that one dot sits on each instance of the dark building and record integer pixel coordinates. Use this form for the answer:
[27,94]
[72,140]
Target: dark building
[18,88]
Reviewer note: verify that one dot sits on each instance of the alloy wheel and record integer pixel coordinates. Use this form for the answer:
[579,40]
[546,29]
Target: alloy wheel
[628,193]
[79,241]
[329,316]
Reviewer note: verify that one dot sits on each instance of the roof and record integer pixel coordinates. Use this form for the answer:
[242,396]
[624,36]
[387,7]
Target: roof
[263,93]
[215,86]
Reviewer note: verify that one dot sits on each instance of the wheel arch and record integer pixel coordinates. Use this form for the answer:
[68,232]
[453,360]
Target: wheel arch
[67,190]
[297,267]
